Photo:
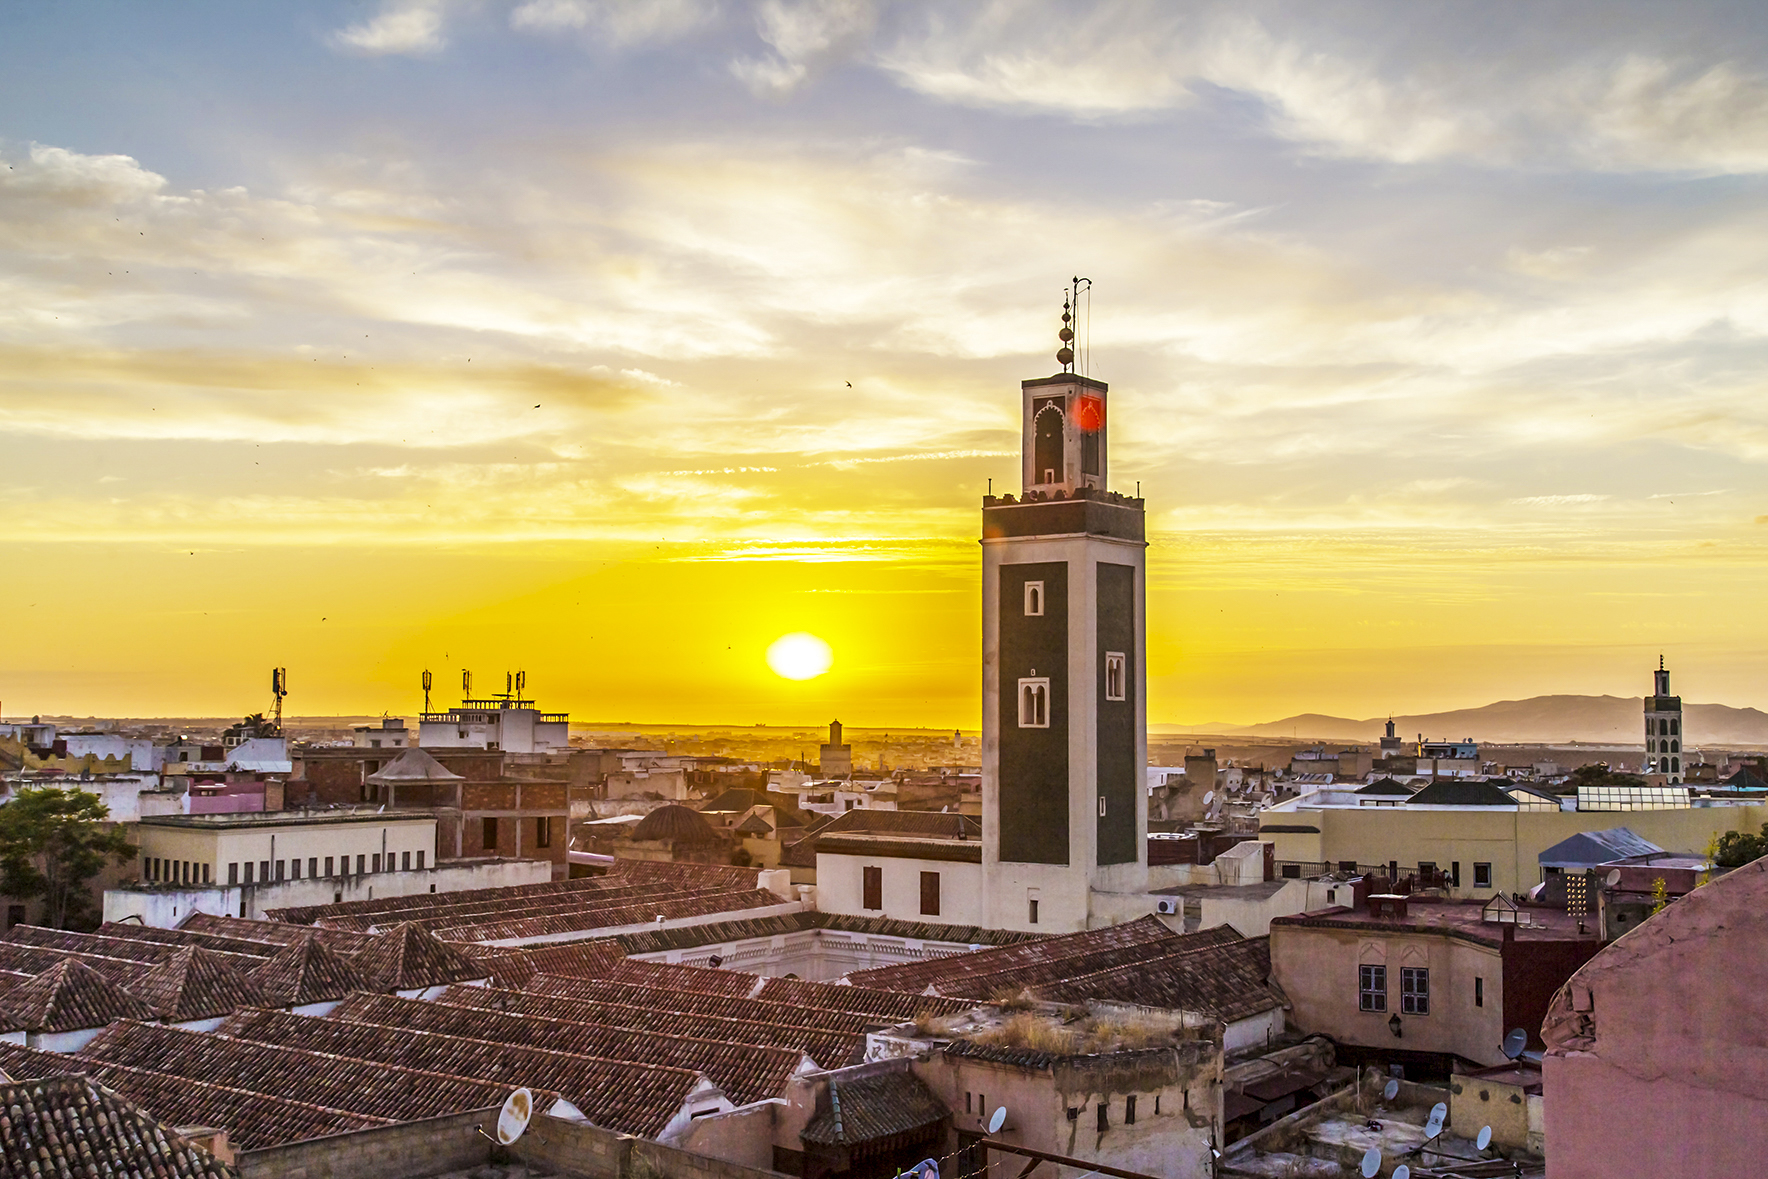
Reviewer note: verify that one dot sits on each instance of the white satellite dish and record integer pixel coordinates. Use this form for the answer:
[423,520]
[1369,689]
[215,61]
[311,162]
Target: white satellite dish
[1514,1042]
[1208,797]
[997,1119]
[513,1119]
[1402,1172]
[1438,1114]
[1390,1091]
[1613,878]
[1371,1163]
[1485,1137]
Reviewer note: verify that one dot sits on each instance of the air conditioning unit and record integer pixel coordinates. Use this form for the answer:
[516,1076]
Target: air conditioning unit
[1166,906]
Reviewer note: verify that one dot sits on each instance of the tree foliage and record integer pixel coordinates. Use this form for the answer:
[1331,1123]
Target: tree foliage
[1737,848]
[1598,774]
[53,841]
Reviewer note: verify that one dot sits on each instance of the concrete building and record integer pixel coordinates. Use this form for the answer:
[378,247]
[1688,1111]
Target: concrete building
[835,758]
[501,722]
[1663,730]
[1064,714]
[906,865]
[391,733]
[1653,1063]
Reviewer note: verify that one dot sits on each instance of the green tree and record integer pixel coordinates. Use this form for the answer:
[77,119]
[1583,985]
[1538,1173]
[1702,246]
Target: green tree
[1737,848]
[52,842]
[1598,774]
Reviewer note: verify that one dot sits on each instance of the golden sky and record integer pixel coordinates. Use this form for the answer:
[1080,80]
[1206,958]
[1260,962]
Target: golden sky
[612,341]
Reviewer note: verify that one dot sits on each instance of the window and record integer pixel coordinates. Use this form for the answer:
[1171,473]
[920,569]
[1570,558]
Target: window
[420,863]
[1104,1117]
[281,866]
[488,834]
[1675,747]
[295,869]
[1129,1110]
[1372,988]
[376,861]
[1033,917]
[329,866]
[1675,765]
[405,861]
[872,886]
[205,874]
[1455,873]
[264,871]
[1414,990]
[543,832]
[1114,675]
[233,873]
[1479,991]
[1034,599]
[312,867]
[1034,703]
[248,873]
[1675,728]
[929,894]
[968,1096]
[361,865]
[1482,876]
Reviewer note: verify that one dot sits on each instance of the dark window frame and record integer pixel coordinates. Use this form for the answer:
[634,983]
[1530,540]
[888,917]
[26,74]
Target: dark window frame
[1415,990]
[871,887]
[1371,987]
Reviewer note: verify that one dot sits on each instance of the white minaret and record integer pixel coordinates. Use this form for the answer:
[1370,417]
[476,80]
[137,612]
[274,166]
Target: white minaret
[1064,707]
[1663,729]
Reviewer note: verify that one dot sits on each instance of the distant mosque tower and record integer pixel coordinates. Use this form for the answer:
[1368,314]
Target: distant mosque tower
[1064,709]
[1663,729]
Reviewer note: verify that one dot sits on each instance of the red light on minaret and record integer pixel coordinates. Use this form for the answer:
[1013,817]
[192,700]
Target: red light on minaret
[1089,413]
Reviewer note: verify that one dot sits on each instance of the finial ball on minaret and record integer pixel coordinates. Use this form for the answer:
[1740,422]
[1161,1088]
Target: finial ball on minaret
[1065,354]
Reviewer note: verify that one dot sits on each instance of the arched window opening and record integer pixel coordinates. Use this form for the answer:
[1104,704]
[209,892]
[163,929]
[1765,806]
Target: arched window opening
[1047,444]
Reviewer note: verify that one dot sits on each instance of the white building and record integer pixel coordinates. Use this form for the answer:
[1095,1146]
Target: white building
[391,733]
[502,722]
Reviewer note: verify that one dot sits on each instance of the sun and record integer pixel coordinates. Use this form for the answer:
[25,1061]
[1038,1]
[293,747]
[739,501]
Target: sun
[799,656]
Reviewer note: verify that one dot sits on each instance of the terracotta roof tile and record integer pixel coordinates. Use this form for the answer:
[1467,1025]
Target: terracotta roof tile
[699,1003]
[194,983]
[1229,981]
[68,997]
[868,1001]
[916,976]
[307,971]
[73,1128]
[35,960]
[828,1047]
[68,941]
[411,906]
[621,1095]
[591,919]
[684,978]
[409,956]
[129,930]
[747,1072]
[1037,975]
[273,933]
[874,1108]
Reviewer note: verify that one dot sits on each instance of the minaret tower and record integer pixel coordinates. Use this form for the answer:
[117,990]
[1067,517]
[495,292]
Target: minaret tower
[1064,708]
[1663,729]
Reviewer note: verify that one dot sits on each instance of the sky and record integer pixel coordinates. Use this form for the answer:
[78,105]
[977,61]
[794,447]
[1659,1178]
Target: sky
[613,341]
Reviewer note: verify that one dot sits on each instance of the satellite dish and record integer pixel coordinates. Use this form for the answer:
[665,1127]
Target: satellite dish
[1208,797]
[513,1119]
[1438,1114]
[1390,1091]
[1613,878]
[1371,1163]
[1402,1172]
[1485,1137]
[1514,1042]
[997,1119]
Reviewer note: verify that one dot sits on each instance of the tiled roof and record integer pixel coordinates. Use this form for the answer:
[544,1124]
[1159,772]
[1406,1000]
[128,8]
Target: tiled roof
[414,906]
[70,996]
[754,825]
[1038,975]
[307,971]
[676,823]
[684,875]
[729,1006]
[252,1120]
[929,931]
[746,1072]
[930,824]
[1461,792]
[72,1128]
[272,933]
[194,983]
[409,956]
[36,959]
[414,765]
[684,978]
[70,942]
[185,937]
[625,1096]
[915,976]
[511,966]
[1387,786]
[321,1078]
[949,850]
[829,1048]
[1229,981]
[632,914]
[866,1000]
[688,937]
[741,798]
[874,1108]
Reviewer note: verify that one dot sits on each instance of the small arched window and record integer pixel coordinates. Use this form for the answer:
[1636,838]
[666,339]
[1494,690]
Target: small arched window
[1034,599]
[1675,727]
[1675,765]
[1675,747]
[1034,703]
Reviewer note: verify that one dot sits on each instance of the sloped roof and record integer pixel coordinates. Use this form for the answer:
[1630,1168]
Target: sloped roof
[755,825]
[740,798]
[409,956]
[73,1128]
[414,767]
[272,934]
[1387,786]
[307,971]
[194,983]
[874,1108]
[917,976]
[1744,780]
[888,1005]
[676,823]
[1229,981]
[1586,849]
[68,997]
[924,824]
[1461,792]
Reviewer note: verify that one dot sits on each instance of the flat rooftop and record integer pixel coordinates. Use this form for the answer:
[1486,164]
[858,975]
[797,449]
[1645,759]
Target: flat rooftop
[247,819]
[1457,918]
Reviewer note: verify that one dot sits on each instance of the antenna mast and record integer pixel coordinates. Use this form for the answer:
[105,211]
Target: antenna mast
[279,687]
[427,683]
[466,684]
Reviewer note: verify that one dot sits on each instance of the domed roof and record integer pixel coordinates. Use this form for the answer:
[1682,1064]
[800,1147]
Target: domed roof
[677,823]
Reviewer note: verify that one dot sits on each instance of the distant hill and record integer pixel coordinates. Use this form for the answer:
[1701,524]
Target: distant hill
[1539,719]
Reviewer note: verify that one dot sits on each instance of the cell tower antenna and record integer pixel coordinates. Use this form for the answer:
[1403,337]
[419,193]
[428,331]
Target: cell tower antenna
[521,682]
[466,684]
[279,687]
[427,683]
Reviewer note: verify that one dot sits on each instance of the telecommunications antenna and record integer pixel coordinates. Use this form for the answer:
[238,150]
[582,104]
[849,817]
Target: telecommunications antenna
[997,1119]
[428,683]
[1514,1042]
[1485,1137]
[466,682]
[1438,1113]
[1390,1091]
[1402,1172]
[513,1119]
[1371,1163]
[1613,878]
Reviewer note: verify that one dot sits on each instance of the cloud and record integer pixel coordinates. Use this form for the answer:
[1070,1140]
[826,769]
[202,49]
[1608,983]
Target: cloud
[1553,501]
[803,34]
[617,22]
[402,26]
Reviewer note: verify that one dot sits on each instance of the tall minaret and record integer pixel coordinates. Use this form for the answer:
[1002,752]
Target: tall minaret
[1064,709]
[1663,728]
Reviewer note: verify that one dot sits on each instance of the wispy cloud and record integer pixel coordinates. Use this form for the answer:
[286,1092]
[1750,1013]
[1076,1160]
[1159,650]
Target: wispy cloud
[401,26]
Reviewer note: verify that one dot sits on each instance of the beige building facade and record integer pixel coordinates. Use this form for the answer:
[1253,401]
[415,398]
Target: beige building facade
[266,848]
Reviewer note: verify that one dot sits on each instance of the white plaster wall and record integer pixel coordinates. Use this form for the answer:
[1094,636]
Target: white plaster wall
[841,889]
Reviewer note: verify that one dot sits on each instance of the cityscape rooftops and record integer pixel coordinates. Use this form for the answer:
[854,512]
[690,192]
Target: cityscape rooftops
[1460,919]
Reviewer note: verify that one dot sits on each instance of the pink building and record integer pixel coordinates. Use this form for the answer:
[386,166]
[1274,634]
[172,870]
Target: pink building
[1655,1062]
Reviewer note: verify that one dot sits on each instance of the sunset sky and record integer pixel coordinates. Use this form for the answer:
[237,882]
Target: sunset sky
[613,341]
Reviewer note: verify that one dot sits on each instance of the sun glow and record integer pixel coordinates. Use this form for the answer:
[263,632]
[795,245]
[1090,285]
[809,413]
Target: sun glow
[799,656]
